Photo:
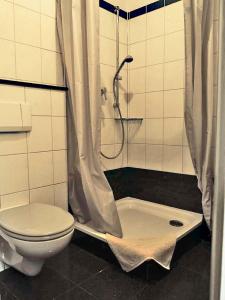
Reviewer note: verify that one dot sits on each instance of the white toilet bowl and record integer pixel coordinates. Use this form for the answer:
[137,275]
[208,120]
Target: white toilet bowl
[32,233]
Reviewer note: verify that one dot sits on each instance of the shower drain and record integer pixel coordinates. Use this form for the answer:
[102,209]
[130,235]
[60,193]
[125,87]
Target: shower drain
[176,223]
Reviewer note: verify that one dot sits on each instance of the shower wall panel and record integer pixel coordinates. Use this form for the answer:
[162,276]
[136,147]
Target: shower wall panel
[155,39]
[156,88]
[156,91]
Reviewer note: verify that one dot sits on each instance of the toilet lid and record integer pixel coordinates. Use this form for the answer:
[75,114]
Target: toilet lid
[36,220]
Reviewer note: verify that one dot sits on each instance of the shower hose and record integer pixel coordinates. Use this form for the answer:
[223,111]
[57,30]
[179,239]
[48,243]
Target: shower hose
[117,106]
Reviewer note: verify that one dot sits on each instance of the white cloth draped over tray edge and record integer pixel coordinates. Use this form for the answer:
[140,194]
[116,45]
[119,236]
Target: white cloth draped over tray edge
[132,252]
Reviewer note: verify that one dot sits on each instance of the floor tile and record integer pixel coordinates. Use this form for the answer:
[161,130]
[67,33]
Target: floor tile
[94,246]
[77,266]
[186,244]
[47,285]
[113,283]
[5,294]
[87,270]
[70,253]
[76,294]
[151,293]
[197,259]
[179,283]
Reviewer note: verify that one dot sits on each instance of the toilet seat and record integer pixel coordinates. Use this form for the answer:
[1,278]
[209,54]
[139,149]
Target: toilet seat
[36,222]
[36,238]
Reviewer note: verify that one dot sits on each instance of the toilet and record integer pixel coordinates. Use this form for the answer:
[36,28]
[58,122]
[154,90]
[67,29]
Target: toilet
[32,233]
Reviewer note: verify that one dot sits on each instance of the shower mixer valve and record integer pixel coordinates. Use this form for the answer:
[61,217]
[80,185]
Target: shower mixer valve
[116,105]
[104,92]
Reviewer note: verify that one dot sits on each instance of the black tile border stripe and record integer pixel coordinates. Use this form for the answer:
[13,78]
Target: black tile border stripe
[168,2]
[138,11]
[155,5]
[33,85]
[111,8]
[123,14]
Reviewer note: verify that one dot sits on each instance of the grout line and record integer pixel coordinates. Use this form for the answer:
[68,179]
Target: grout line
[164,40]
[13,193]
[48,185]
[41,52]
[71,289]
[89,293]
[55,116]
[111,39]
[145,164]
[33,152]
[53,168]
[33,10]
[127,98]
[29,45]
[156,91]
[14,39]
[162,63]
[157,144]
[157,36]
[104,64]
[33,188]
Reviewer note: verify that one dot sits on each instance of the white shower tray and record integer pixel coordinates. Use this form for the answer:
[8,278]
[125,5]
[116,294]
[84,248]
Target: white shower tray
[144,219]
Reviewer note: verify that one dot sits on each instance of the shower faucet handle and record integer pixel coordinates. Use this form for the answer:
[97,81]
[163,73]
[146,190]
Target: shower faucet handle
[104,92]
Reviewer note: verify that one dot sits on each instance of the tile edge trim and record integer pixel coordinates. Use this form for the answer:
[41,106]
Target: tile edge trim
[33,85]
[139,10]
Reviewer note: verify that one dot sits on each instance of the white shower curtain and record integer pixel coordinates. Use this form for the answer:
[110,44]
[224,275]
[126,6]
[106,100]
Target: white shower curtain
[198,15]
[90,195]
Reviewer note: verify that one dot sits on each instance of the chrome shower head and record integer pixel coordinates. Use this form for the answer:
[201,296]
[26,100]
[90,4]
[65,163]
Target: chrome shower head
[128,59]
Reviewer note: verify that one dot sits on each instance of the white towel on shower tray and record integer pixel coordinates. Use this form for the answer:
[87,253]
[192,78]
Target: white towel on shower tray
[133,252]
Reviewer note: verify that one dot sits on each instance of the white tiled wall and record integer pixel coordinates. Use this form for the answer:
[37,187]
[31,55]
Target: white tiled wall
[33,165]
[156,89]
[156,84]
[29,48]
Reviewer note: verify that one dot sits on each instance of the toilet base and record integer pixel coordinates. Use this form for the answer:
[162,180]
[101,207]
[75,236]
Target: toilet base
[28,257]
[29,267]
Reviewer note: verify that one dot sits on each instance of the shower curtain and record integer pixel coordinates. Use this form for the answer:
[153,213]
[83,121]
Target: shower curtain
[90,196]
[198,16]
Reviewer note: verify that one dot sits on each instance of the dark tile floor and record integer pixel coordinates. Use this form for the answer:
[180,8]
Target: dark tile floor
[87,270]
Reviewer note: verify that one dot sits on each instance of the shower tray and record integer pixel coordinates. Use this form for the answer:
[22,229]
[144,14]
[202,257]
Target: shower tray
[143,219]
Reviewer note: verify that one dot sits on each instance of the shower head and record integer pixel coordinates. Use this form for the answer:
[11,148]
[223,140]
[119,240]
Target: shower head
[128,59]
